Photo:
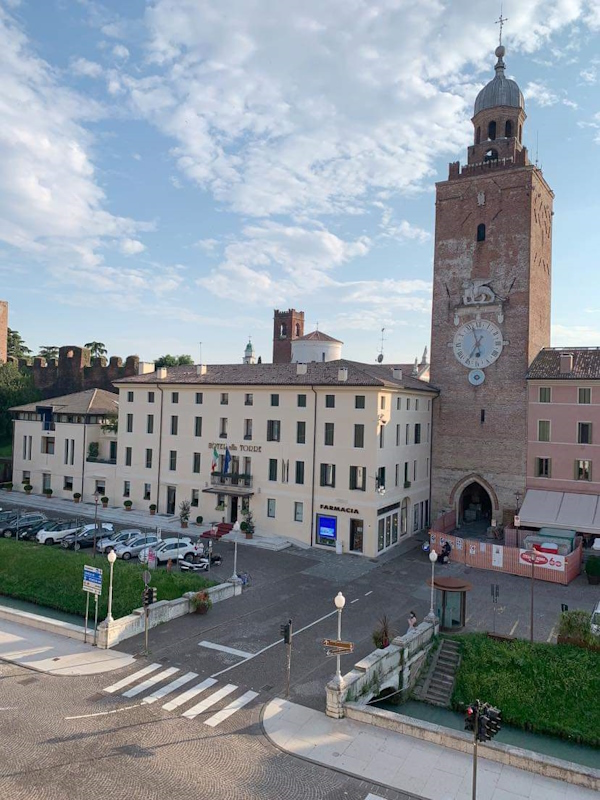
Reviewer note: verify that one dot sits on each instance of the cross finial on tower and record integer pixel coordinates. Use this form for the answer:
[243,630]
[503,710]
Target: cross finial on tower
[501,22]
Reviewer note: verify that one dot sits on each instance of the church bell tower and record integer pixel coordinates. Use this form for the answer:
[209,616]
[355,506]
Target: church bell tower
[491,309]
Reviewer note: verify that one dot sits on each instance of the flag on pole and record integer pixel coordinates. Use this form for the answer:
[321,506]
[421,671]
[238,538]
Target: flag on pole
[227,461]
[215,460]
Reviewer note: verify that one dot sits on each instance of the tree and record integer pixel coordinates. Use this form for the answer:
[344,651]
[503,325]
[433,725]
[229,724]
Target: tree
[48,351]
[98,349]
[110,424]
[16,389]
[173,361]
[15,345]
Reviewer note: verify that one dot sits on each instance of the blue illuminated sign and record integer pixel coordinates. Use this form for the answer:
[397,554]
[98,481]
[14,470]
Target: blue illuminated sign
[327,528]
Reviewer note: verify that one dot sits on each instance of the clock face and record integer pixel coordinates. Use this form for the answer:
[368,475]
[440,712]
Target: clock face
[477,344]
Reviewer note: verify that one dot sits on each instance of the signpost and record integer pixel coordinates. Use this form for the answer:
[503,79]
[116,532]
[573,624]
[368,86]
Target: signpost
[333,647]
[532,557]
[151,559]
[92,584]
[147,578]
[495,596]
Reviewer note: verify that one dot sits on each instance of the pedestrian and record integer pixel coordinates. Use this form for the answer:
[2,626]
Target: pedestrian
[412,622]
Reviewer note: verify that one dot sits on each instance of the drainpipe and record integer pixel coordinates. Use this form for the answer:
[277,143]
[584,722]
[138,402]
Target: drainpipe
[159,446]
[83,459]
[314,466]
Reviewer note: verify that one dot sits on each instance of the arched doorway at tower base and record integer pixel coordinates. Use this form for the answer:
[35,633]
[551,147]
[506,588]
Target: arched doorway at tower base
[475,505]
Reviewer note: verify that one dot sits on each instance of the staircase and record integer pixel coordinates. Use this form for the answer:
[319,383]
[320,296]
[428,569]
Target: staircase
[220,531]
[436,685]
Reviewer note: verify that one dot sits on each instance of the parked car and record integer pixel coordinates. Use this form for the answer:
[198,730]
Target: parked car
[84,536]
[7,516]
[49,535]
[135,546]
[169,549]
[109,543]
[21,524]
[51,526]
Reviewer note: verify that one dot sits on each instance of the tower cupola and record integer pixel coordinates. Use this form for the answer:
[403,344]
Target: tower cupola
[249,357]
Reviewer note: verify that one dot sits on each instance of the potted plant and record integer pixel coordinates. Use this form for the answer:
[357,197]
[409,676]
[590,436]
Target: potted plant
[27,488]
[8,487]
[76,497]
[382,635]
[104,501]
[201,602]
[47,492]
[127,505]
[93,451]
[248,525]
[152,509]
[199,520]
[220,507]
[184,512]
[592,570]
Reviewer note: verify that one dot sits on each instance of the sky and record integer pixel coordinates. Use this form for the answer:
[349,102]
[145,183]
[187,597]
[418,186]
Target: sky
[173,170]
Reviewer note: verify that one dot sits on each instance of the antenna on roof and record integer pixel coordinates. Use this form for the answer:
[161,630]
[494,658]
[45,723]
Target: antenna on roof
[200,343]
[379,358]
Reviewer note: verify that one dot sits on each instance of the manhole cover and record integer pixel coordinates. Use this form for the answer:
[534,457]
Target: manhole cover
[266,688]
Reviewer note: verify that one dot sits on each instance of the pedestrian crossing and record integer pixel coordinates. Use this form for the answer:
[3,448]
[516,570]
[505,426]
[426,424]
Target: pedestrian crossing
[180,693]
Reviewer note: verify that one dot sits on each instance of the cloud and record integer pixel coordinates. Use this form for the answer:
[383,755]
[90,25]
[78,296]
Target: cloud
[575,336]
[207,245]
[131,247]
[538,92]
[120,51]
[81,66]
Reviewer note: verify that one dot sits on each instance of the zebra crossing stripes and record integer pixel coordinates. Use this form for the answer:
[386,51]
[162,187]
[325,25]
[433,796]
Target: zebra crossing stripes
[159,694]
[209,701]
[183,698]
[132,678]
[234,706]
[151,681]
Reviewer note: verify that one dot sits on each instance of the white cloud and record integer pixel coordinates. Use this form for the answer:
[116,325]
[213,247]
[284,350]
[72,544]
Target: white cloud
[81,66]
[120,51]
[575,336]
[589,75]
[131,247]
[538,92]
[207,245]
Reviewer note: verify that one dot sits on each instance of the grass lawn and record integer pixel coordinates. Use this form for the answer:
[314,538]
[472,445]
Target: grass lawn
[53,577]
[545,688]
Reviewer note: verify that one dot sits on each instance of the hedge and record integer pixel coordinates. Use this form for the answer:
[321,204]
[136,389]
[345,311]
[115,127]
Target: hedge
[53,577]
[544,688]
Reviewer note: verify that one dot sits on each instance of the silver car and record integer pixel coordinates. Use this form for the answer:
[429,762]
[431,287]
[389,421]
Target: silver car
[109,543]
[135,546]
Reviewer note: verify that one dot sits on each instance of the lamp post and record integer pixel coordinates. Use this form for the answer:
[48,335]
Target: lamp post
[112,557]
[433,557]
[236,528]
[96,498]
[340,602]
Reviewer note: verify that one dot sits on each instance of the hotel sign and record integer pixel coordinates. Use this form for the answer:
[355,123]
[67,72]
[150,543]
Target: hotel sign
[244,448]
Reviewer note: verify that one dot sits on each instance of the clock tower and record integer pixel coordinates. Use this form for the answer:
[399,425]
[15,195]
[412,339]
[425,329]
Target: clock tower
[491,309]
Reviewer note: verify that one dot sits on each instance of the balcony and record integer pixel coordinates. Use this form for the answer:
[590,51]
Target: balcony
[98,460]
[231,479]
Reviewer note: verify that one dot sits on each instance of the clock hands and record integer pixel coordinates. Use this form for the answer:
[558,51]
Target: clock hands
[477,345]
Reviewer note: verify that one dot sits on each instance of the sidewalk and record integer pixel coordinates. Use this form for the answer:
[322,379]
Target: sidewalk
[57,655]
[401,762]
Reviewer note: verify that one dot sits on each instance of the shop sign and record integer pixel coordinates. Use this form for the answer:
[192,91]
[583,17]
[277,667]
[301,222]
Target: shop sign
[327,527]
[543,560]
[339,508]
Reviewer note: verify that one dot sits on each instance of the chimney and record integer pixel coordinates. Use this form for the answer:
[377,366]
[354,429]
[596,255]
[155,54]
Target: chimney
[200,369]
[566,363]
[397,373]
[301,369]
[343,374]
[161,372]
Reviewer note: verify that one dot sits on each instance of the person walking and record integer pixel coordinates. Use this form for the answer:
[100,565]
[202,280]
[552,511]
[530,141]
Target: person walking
[412,622]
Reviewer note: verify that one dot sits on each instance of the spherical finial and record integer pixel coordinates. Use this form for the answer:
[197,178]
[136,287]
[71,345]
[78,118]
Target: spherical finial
[500,51]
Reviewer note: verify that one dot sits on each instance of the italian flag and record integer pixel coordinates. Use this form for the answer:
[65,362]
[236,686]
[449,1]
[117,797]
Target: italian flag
[215,460]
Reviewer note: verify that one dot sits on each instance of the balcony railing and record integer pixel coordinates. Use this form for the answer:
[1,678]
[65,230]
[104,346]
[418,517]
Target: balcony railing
[98,460]
[231,479]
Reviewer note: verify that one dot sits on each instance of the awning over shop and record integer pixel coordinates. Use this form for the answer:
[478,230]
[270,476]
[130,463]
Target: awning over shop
[579,512]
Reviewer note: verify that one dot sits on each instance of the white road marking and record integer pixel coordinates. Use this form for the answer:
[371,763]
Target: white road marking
[183,698]
[132,678]
[514,628]
[231,650]
[209,701]
[274,644]
[368,593]
[170,687]
[354,601]
[105,713]
[234,706]
[166,673]
[373,797]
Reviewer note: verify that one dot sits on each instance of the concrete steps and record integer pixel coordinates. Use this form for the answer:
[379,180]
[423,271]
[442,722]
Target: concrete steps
[437,684]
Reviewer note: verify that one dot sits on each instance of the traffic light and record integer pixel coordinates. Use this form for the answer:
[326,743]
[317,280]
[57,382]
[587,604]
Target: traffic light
[470,717]
[286,631]
[495,720]
[483,734]
[149,595]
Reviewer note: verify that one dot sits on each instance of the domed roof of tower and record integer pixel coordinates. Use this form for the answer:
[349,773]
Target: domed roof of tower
[249,348]
[500,91]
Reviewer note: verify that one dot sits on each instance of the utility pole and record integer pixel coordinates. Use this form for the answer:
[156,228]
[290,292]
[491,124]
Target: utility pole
[286,633]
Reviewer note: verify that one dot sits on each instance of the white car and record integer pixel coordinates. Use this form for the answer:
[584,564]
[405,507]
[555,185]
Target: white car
[169,549]
[122,537]
[51,537]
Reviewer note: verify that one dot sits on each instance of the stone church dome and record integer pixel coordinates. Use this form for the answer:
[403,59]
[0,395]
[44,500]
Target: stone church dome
[500,91]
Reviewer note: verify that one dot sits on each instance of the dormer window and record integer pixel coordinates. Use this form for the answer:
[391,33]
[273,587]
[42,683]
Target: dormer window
[492,130]
[508,129]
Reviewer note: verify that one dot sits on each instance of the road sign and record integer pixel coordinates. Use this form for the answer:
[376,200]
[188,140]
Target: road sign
[343,647]
[147,577]
[151,559]
[92,580]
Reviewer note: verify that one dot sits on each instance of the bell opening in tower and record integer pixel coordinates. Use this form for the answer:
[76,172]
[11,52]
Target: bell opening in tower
[475,505]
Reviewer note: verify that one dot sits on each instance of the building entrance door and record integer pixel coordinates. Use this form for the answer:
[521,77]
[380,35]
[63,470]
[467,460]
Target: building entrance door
[475,504]
[233,502]
[356,535]
[171,497]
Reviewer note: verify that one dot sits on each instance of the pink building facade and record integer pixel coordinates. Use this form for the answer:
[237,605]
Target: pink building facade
[563,449]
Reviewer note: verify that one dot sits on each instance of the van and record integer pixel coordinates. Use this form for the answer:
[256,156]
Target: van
[595,621]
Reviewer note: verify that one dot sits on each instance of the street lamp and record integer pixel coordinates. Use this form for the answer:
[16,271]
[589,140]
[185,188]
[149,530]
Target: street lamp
[236,529]
[433,557]
[112,557]
[340,602]
[96,498]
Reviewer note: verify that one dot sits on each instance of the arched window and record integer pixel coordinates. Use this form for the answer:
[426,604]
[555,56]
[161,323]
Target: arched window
[508,129]
[491,155]
[478,136]
[520,133]
[492,130]
[283,330]
[481,232]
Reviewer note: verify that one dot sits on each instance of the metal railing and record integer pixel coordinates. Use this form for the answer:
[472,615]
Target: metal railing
[231,479]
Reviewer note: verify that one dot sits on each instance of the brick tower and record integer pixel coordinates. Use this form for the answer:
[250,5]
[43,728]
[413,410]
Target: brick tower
[287,326]
[3,330]
[491,309]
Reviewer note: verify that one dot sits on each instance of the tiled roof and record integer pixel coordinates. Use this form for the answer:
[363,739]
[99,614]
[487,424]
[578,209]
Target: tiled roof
[317,336]
[317,373]
[546,365]
[92,401]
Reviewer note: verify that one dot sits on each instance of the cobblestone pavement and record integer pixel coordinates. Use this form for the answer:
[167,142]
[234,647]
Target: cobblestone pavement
[67,739]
